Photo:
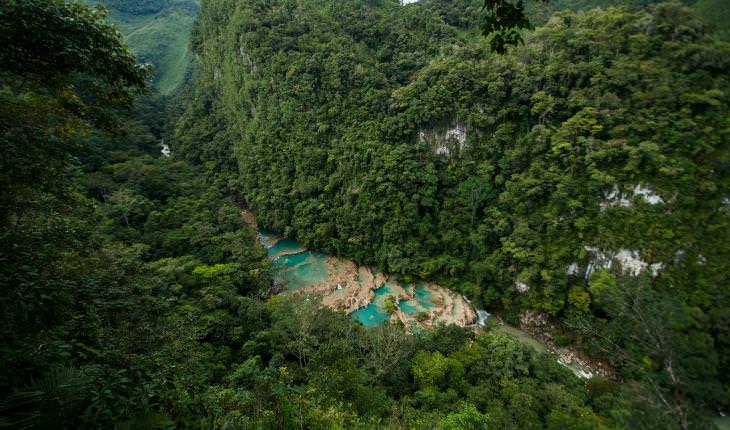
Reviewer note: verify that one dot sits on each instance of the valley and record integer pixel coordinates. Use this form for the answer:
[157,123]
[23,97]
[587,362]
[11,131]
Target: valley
[372,298]
[458,214]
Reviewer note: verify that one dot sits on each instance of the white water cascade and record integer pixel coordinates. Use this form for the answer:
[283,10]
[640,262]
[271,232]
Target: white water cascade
[482,316]
[165,151]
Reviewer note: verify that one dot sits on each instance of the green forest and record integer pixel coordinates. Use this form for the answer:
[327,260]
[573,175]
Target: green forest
[158,33]
[582,175]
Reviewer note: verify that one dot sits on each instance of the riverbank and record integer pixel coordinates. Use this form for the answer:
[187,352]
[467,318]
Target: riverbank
[372,297]
[539,327]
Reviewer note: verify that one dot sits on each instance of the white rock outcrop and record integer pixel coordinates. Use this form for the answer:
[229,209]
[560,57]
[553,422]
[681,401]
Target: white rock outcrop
[444,141]
[650,196]
[165,151]
[617,198]
[521,287]
[573,269]
[628,261]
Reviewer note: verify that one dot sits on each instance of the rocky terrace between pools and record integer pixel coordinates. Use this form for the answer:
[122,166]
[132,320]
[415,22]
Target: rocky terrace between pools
[369,296]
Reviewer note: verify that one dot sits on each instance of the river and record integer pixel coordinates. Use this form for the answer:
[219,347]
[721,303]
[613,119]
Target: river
[372,297]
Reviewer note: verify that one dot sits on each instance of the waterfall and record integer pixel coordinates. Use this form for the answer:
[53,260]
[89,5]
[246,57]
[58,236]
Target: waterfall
[482,316]
[165,151]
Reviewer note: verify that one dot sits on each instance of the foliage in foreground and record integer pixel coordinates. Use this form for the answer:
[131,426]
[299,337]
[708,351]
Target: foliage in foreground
[131,291]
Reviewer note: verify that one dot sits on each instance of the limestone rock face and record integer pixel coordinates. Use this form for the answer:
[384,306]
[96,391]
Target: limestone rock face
[444,140]
[521,287]
[618,197]
[629,261]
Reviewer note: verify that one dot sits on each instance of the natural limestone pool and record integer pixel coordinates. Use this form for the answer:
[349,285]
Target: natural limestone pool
[374,313]
[362,291]
[295,266]
[421,301]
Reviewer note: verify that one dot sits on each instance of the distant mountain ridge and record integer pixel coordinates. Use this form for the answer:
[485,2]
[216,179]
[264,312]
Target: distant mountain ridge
[715,12]
[158,32]
[469,13]
[146,7]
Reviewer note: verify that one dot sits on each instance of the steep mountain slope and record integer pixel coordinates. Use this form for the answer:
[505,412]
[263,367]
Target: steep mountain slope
[589,166]
[158,32]
[339,120]
[579,186]
[469,13]
[716,12]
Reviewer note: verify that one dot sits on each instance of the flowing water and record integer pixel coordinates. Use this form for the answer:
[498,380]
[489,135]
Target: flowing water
[297,268]
[482,316]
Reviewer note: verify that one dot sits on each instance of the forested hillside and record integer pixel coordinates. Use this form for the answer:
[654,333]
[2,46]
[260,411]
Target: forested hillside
[158,32]
[578,183]
[582,173]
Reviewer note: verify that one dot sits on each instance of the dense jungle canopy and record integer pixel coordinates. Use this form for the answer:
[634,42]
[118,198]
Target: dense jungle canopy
[582,176]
